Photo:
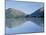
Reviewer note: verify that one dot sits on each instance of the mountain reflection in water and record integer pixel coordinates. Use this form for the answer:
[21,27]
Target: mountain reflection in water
[21,25]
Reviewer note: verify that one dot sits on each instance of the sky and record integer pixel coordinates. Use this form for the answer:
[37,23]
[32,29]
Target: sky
[25,0]
[10,4]
[26,7]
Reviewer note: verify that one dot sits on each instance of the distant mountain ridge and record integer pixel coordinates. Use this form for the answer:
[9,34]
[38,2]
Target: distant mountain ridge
[11,12]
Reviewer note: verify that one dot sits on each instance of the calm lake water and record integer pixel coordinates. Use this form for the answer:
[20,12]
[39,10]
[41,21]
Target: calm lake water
[24,25]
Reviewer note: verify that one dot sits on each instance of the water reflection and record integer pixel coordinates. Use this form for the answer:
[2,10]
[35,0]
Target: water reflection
[21,25]
[13,22]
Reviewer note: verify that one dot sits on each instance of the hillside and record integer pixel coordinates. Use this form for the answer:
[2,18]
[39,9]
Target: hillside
[37,13]
[10,12]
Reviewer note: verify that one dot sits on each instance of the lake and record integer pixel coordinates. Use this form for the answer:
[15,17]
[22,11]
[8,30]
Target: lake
[24,25]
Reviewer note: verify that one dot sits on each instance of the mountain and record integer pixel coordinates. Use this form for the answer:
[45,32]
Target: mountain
[37,13]
[11,12]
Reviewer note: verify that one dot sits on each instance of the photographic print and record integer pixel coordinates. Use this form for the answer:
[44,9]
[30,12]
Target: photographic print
[24,17]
